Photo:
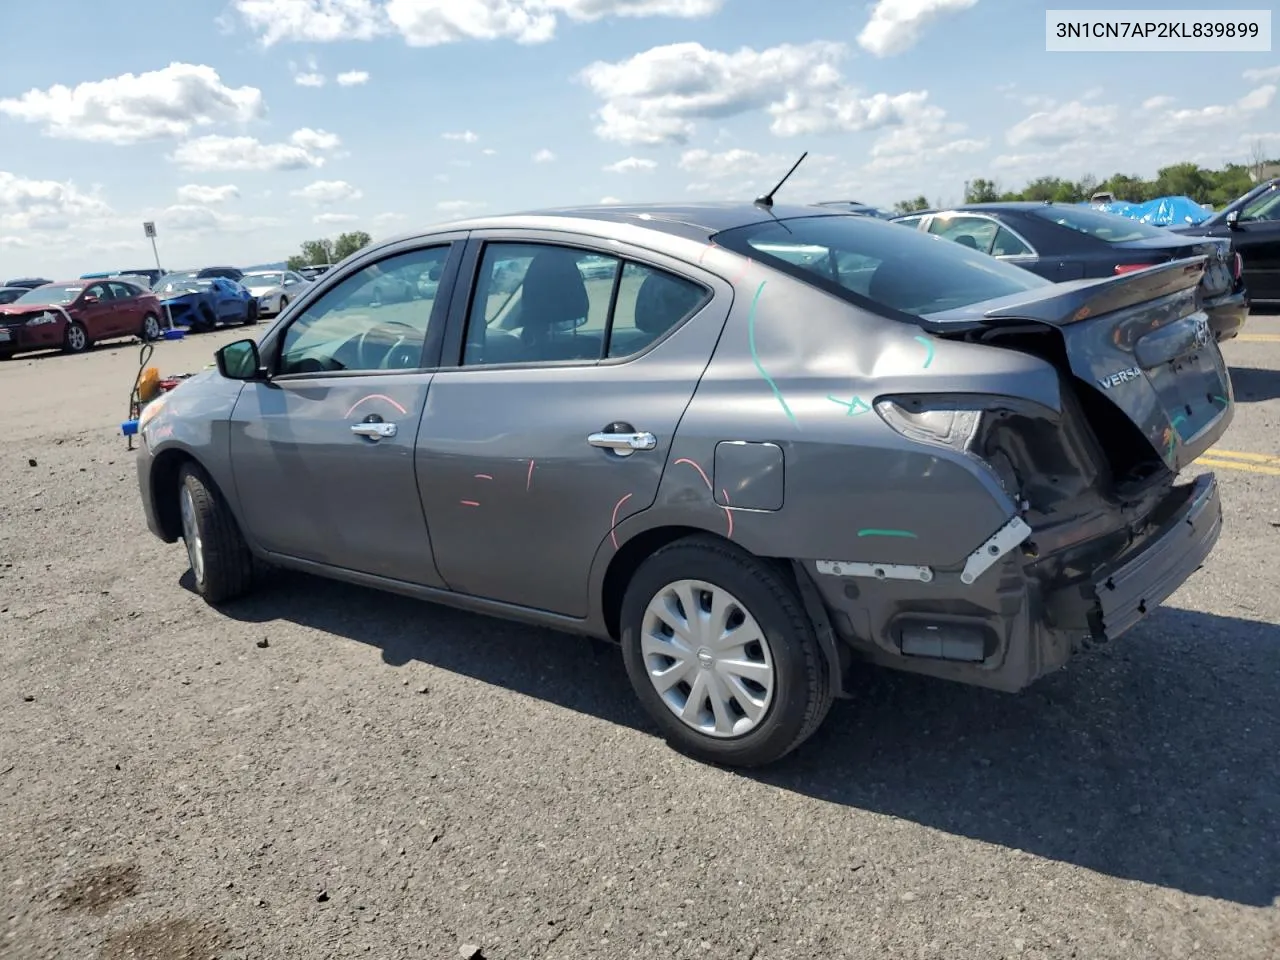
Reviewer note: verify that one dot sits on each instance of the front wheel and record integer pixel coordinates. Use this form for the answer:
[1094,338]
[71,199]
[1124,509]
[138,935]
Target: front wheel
[730,680]
[75,340]
[220,560]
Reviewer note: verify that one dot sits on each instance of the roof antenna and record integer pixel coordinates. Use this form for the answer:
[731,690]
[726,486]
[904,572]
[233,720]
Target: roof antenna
[767,199]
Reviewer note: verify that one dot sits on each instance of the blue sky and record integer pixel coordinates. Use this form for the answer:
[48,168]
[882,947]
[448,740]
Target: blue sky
[243,127]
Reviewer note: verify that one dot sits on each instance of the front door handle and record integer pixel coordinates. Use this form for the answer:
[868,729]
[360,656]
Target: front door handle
[623,443]
[374,431]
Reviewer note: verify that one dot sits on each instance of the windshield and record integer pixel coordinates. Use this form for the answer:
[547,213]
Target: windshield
[261,281]
[872,262]
[51,294]
[1108,227]
[185,285]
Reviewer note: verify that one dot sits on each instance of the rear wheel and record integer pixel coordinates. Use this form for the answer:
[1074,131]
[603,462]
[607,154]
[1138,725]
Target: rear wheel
[220,560]
[729,680]
[151,328]
[75,340]
[204,321]
[251,313]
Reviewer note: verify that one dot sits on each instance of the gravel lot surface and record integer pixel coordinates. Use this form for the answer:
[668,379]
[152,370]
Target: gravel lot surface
[323,771]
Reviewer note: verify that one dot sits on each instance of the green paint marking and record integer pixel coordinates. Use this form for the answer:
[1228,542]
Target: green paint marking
[928,345]
[755,356]
[855,406]
[906,534]
[1222,400]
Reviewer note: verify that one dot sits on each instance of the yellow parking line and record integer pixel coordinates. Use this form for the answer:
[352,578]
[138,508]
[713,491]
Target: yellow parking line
[1258,337]
[1238,455]
[1236,465]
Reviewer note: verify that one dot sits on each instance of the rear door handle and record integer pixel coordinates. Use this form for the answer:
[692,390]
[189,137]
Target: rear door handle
[623,443]
[374,431]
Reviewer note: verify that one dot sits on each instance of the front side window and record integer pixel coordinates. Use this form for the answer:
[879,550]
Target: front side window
[976,233]
[1108,227]
[874,263]
[379,318]
[541,303]
[1009,245]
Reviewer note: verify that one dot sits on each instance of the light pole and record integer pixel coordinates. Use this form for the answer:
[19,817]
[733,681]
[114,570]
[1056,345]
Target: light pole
[149,229]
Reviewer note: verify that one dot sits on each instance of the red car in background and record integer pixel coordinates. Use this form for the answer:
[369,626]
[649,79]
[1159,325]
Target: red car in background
[72,316]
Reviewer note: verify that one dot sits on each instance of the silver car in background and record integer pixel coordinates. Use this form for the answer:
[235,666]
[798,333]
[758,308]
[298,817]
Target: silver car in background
[274,289]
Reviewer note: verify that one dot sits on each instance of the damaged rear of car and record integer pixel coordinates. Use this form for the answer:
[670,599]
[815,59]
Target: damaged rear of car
[1031,458]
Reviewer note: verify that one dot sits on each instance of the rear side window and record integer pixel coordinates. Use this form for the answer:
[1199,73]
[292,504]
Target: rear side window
[874,263]
[1108,227]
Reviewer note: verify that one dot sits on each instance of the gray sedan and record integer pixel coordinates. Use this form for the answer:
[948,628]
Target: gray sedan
[762,447]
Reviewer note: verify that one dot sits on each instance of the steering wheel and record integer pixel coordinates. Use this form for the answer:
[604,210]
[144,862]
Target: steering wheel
[406,346]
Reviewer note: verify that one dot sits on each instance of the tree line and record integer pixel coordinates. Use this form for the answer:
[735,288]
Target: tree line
[1216,187]
[317,253]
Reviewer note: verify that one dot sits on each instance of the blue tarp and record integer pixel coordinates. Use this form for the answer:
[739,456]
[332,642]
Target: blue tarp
[1160,212]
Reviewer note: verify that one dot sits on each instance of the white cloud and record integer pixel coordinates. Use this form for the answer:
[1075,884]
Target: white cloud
[543,156]
[316,21]
[44,204]
[304,149]
[457,206]
[389,217]
[489,151]
[426,23]
[309,79]
[188,217]
[333,218]
[465,136]
[896,25]
[326,192]
[631,165]
[1263,73]
[352,78]
[199,193]
[13,242]
[1068,123]
[1157,102]
[131,108]
[731,163]
[656,96]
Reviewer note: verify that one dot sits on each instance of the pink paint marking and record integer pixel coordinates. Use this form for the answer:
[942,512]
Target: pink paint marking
[528,481]
[702,473]
[483,476]
[470,503]
[728,514]
[375,396]
[705,250]
[613,528]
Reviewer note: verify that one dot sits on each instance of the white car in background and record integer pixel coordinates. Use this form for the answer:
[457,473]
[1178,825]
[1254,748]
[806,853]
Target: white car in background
[274,289]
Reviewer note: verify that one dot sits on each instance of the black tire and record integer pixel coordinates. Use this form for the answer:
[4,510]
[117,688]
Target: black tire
[204,321]
[251,313]
[228,567]
[802,690]
[76,338]
[284,302]
[147,321]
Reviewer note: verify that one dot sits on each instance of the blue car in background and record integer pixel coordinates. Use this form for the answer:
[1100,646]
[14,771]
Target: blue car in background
[201,303]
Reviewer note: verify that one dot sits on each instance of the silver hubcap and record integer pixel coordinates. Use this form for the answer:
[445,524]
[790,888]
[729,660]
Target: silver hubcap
[75,337]
[151,327]
[707,658]
[191,536]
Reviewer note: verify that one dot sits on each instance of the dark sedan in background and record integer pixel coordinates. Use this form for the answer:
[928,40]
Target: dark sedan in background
[1252,223]
[1062,242]
[10,294]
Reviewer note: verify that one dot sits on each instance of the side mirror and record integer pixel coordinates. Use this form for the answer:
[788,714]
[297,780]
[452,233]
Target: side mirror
[89,300]
[1233,220]
[239,360]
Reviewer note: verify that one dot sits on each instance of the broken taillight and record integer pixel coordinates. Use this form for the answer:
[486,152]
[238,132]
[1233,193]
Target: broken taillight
[1130,267]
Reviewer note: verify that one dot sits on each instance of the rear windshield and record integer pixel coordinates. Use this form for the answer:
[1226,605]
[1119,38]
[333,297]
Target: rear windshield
[1108,227]
[872,262]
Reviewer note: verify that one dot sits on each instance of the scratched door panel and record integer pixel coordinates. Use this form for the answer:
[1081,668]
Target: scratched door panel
[517,499]
[311,488]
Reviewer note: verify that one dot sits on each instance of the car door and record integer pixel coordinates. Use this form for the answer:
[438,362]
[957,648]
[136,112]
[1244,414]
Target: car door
[322,452]
[128,309]
[1257,239]
[230,305]
[572,375]
[96,312]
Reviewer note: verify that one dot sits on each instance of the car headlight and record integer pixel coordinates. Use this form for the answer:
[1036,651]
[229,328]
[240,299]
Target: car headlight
[150,411]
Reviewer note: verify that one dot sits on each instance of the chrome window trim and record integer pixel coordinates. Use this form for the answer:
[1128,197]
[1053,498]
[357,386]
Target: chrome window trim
[999,223]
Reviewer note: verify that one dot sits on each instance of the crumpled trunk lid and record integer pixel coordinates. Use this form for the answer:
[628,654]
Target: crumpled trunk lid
[1140,341]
